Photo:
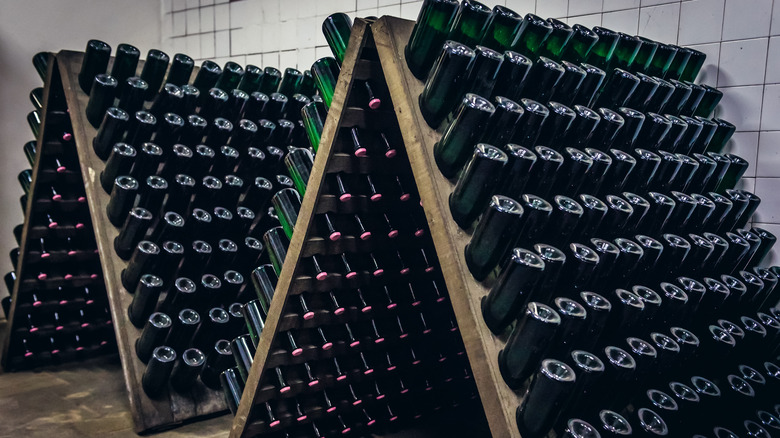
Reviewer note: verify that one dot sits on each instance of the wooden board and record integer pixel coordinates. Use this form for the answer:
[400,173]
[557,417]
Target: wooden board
[294,252]
[171,408]
[391,35]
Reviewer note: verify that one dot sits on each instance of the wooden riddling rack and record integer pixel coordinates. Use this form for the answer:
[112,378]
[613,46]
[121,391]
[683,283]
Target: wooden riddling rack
[59,310]
[171,408]
[440,385]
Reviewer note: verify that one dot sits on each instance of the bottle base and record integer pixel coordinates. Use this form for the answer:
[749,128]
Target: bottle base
[433,120]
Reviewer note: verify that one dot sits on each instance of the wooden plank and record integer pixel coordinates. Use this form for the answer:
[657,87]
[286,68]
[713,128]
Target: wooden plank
[287,278]
[171,408]
[391,35]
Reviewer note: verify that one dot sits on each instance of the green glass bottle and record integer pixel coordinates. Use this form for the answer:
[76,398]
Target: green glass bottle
[709,101]
[501,125]
[625,51]
[95,62]
[697,93]
[181,70]
[644,92]
[512,75]
[269,82]
[594,77]
[532,34]
[476,184]
[337,29]
[644,56]
[276,242]
[470,22]
[661,96]
[513,288]
[580,45]
[326,74]
[230,77]
[660,62]
[153,72]
[207,76]
[125,62]
[287,204]
[290,82]
[30,149]
[601,53]
[307,86]
[41,63]
[678,98]
[34,122]
[617,90]
[429,33]
[569,85]
[722,135]
[483,72]
[542,79]
[443,88]
[679,62]
[299,162]
[313,115]
[694,65]
[250,82]
[459,139]
[501,29]
[101,98]
[499,225]
[556,42]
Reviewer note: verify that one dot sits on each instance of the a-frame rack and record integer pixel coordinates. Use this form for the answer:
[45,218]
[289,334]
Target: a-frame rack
[58,307]
[376,52]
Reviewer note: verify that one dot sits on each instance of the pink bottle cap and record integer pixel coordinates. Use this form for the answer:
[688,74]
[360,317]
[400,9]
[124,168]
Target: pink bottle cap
[448,379]
[79,226]
[56,197]
[61,169]
[392,368]
[308,316]
[34,329]
[63,302]
[429,269]
[376,197]
[354,344]
[379,272]
[453,329]
[374,103]
[302,418]
[351,274]
[314,383]
[82,199]
[71,253]
[67,136]
[357,402]
[37,304]
[79,348]
[58,328]
[392,306]
[403,336]
[429,388]
[404,391]
[84,325]
[392,234]
[55,351]
[28,354]
[371,423]
[297,352]
[322,275]
[417,417]
[334,236]
[90,301]
[419,233]
[391,153]
[327,345]
[275,423]
[365,236]
[345,197]
[441,299]
[366,309]
[426,331]
[361,152]
[45,255]
[416,362]
[93,276]
[346,431]
[339,311]
[406,197]
[284,390]
[405,271]
[53,225]
[443,358]
[331,409]
[68,276]
[42,276]
[416,303]
[380,396]
[340,378]
[393,418]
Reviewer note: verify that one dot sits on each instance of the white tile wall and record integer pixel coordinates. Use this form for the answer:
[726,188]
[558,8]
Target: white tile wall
[740,37]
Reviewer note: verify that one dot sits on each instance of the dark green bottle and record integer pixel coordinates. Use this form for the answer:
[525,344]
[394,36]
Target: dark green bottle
[513,288]
[207,76]
[512,75]
[580,45]
[326,74]
[36,98]
[643,93]
[542,79]
[269,82]
[723,133]
[276,243]
[287,203]
[230,77]
[625,51]
[678,98]
[556,126]
[532,34]
[660,62]
[476,184]
[528,343]
[307,86]
[556,42]
[41,63]
[153,72]
[30,149]
[250,82]
[428,36]
[583,126]
[517,172]
[125,62]
[181,70]
[460,137]
[644,55]
[495,232]
[530,125]
[694,65]
[501,125]
[101,97]
[442,90]
[679,62]
[617,90]
[548,394]
[570,82]
[95,62]
[299,162]
[470,22]
[34,122]
[602,51]
[594,78]
[709,101]
[697,94]
[501,29]
[337,29]
[483,72]
[290,82]
[313,116]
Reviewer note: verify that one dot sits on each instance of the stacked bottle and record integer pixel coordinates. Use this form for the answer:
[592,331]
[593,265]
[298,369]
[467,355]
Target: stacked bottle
[60,311]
